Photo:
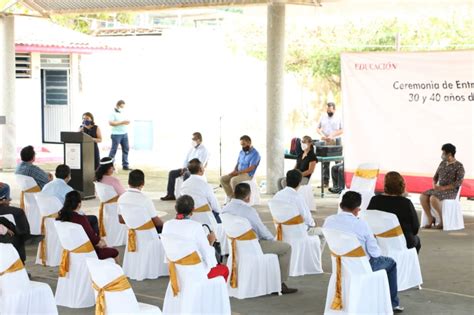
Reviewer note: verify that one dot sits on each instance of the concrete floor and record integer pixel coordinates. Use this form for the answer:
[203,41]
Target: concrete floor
[447,261]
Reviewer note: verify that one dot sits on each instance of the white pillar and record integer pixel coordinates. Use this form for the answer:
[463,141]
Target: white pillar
[7,88]
[275,87]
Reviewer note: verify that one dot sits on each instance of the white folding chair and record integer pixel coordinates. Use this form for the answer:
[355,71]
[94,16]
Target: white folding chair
[306,191]
[363,182]
[145,258]
[19,295]
[257,273]
[48,206]
[392,242]
[305,249]
[254,191]
[115,232]
[195,293]
[452,214]
[28,203]
[363,291]
[74,287]
[104,275]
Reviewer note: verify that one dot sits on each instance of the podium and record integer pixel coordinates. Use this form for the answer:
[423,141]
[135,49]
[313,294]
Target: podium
[79,156]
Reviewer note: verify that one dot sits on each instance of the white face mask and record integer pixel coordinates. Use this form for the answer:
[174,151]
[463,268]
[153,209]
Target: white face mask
[194,143]
[304,146]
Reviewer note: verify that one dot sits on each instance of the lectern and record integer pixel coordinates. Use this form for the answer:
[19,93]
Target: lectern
[79,156]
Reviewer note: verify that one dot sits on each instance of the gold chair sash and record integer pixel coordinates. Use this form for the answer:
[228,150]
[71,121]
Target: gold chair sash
[247,236]
[132,236]
[337,301]
[87,247]
[43,242]
[22,195]
[367,173]
[117,285]
[101,214]
[191,259]
[204,208]
[17,265]
[396,231]
[293,221]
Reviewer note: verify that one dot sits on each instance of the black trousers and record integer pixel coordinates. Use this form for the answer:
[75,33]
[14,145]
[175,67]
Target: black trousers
[337,174]
[22,230]
[172,176]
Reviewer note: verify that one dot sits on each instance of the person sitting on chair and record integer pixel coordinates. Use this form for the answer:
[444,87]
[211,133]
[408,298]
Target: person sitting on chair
[198,151]
[394,201]
[104,174]
[27,168]
[446,183]
[347,221]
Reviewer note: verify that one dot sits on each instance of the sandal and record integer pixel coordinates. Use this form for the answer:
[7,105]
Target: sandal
[439,226]
[431,224]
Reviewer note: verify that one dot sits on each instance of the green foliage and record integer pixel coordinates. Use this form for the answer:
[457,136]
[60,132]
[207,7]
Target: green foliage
[83,22]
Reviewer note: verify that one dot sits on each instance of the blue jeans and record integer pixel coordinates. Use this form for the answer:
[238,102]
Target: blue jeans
[390,267]
[5,191]
[123,141]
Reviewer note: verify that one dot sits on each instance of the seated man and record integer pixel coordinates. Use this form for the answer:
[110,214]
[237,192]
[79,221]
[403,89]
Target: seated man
[244,170]
[239,207]
[290,195]
[134,196]
[347,221]
[4,192]
[338,182]
[198,188]
[198,151]
[27,168]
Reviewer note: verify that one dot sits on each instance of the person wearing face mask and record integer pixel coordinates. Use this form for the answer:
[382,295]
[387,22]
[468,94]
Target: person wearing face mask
[446,182]
[330,130]
[119,135]
[90,128]
[104,174]
[197,151]
[244,170]
[305,162]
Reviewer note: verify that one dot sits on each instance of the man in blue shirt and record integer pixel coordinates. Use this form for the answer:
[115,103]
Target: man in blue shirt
[119,135]
[58,187]
[27,168]
[244,170]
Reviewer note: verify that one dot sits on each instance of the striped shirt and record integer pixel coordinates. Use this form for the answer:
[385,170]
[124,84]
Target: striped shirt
[28,169]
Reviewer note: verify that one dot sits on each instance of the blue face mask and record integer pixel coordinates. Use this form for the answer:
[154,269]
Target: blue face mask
[87,122]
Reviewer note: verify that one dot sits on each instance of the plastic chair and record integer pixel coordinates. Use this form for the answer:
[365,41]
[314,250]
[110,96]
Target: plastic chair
[393,244]
[363,182]
[49,206]
[19,295]
[452,214]
[33,215]
[305,249]
[115,232]
[147,261]
[104,272]
[197,294]
[257,273]
[363,290]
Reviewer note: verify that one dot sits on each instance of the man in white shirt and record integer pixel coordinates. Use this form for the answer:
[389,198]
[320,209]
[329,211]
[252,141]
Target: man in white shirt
[134,197]
[198,151]
[348,221]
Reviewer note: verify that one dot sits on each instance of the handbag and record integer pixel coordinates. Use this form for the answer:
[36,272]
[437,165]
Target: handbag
[216,245]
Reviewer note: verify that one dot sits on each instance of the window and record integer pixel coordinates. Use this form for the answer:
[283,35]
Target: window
[23,65]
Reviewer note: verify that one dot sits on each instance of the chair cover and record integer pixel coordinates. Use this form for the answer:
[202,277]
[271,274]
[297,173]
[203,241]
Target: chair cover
[48,207]
[147,262]
[31,207]
[254,191]
[306,191]
[9,217]
[363,182]
[75,289]
[197,294]
[305,249]
[257,273]
[115,232]
[393,244]
[363,291]
[122,302]
[19,295]
[452,214]
[177,186]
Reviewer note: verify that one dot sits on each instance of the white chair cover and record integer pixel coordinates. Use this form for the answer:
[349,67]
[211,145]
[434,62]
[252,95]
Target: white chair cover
[364,186]
[257,273]
[306,191]
[147,262]
[254,191]
[305,249]
[452,214]
[363,291]
[48,205]
[408,265]
[9,217]
[177,186]
[123,302]
[31,207]
[116,233]
[197,294]
[19,295]
[75,289]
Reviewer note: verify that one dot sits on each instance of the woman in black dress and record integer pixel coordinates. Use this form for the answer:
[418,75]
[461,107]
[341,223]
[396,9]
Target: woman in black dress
[89,127]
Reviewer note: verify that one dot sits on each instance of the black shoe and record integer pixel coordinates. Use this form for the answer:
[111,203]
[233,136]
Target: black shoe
[286,290]
[126,168]
[34,239]
[335,190]
[398,309]
[168,197]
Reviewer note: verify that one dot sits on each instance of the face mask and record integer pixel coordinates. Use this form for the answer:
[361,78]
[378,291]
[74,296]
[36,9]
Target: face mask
[304,146]
[246,149]
[444,157]
[330,114]
[194,143]
[87,122]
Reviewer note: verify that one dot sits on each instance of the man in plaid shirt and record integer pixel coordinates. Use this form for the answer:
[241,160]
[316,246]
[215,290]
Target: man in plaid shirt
[27,168]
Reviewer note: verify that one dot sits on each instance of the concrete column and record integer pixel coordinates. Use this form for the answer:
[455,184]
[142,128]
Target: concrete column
[7,88]
[275,87]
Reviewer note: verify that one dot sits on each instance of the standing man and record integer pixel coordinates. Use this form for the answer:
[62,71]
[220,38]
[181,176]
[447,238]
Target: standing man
[119,125]
[330,130]
[245,169]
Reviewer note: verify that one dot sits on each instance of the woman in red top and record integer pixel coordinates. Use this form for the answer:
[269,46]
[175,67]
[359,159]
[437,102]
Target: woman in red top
[71,213]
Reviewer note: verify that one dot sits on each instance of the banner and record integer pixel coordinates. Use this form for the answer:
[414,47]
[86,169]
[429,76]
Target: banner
[400,108]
